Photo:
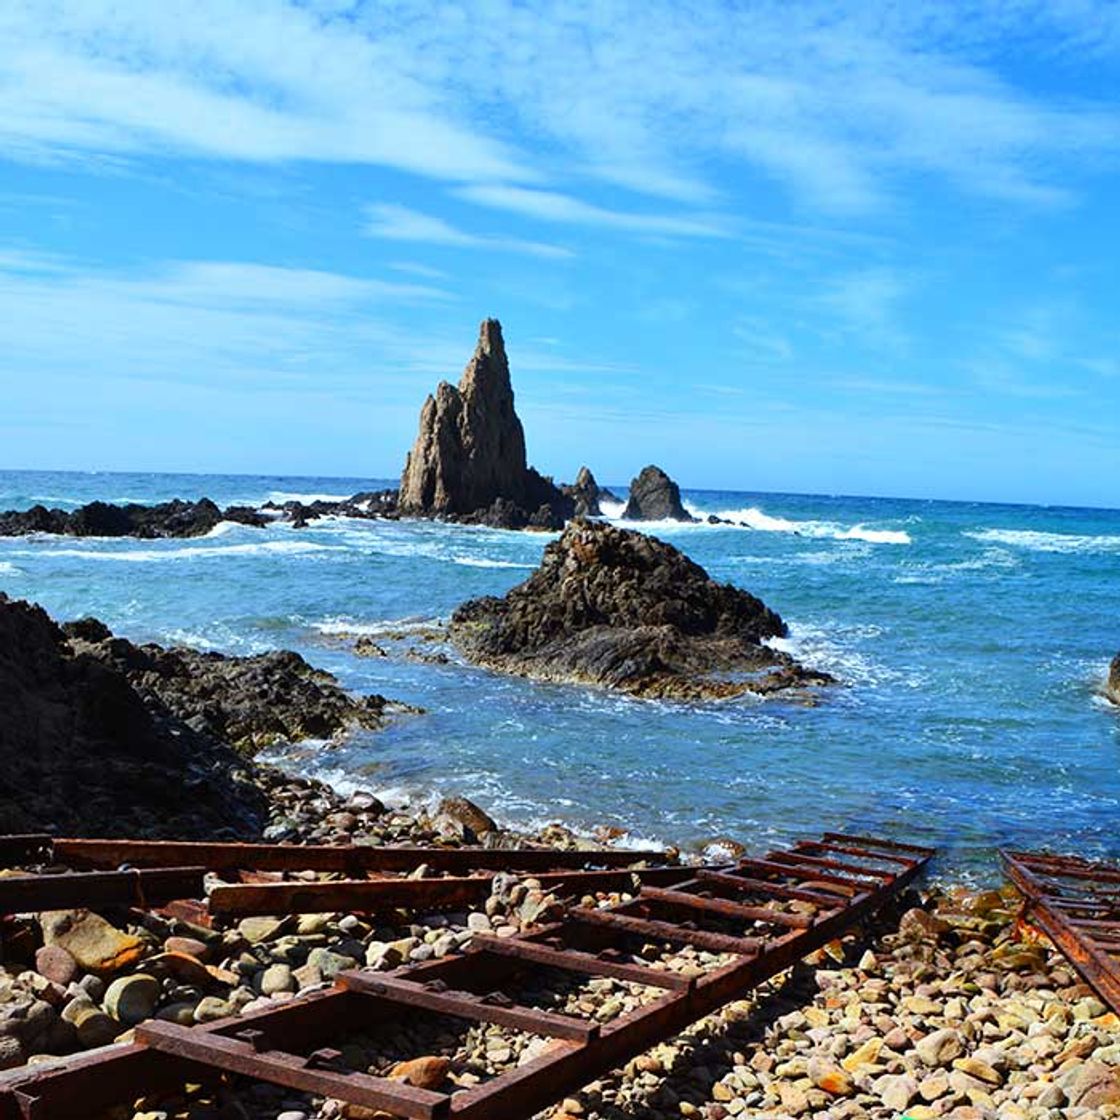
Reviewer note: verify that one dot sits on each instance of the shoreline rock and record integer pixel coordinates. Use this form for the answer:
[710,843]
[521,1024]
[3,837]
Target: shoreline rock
[615,608]
[102,737]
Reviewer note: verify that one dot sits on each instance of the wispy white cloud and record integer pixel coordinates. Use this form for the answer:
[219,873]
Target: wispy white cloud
[393,222]
[841,104]
[552,206]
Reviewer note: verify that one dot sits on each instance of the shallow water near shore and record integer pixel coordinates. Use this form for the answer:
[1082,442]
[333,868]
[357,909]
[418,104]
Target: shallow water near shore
[971,641]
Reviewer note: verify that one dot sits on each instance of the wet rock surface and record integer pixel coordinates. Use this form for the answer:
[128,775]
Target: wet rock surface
[248,702]
[102,519]
[654,496]
[617,608]
[469,458]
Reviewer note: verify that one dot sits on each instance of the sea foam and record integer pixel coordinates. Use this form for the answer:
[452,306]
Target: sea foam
[191,552]
[1037,541]
[753,518]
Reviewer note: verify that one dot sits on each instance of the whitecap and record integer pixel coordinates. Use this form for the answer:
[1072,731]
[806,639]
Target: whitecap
[7,568]
[282,496]
[346,627]
[1035,540]
[751,517]
[193,552]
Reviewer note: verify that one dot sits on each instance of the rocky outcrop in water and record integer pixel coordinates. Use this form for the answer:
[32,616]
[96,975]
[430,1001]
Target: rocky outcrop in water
[1112,685]
[613,607]
[103,519]
[654,496]
[248,702]
[82,751]
[586,494]
[468,461]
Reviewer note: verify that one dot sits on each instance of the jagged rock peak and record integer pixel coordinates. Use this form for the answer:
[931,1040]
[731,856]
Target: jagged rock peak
[470,449]
[654,496]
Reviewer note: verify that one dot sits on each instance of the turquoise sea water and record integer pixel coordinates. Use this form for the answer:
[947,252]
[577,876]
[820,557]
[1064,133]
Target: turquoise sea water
[971,641]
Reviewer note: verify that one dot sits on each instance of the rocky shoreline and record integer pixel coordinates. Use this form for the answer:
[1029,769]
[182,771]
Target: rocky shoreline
[945,1006]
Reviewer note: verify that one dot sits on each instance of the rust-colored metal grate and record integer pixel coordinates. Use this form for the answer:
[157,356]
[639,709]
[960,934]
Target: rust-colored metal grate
[161,872]
[764,915]
[1076,903]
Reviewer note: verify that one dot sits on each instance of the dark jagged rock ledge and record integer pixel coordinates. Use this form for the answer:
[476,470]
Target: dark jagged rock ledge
[102,737]
[619,609]
[176,518]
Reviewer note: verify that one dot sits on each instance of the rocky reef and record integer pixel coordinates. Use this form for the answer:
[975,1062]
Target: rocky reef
[654,496]
[103,519]
[102,737]
[586,494]
[616,608]
[1112,685]
[469,461]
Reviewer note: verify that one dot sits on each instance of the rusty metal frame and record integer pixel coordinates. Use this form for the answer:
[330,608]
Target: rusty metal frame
[1076,903]
[26,894]
[266,1045]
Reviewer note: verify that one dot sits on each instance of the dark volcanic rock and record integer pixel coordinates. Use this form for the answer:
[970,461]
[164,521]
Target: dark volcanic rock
[102,519]
[585,493]
[470,450]
[247,702]
[1112,685]
[654,496]
[614,607]
[81,751]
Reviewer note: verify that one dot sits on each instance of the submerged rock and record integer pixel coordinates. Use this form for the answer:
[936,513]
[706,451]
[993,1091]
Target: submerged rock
[469,459]
[176,518]
[614,607]
[654,496]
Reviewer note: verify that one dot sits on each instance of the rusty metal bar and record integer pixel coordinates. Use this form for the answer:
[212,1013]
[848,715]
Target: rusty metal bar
[741,884]
[721,907]
[666,931]
[799,859]
[800,873]
[261,1045]
[19,850]
[920,852]
[349,859]
[244,899]
[292,1071]
[1081,947]
[574,960]
[24,894]
[467,1005]
[851,850]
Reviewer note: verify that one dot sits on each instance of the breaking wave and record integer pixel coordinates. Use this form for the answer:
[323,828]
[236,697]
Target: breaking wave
[1035,540]
[192,552]
[753,518]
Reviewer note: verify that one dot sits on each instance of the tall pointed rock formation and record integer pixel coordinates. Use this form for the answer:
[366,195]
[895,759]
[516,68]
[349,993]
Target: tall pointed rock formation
[470,450]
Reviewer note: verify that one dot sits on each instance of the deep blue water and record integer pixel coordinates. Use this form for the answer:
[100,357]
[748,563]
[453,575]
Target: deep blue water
[971,640]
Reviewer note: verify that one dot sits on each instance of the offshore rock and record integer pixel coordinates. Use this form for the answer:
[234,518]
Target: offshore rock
[102,519]
[616,608]
[248,702]
[654,496]
[1112,685]
[585,493]
[82,751]
[469,454]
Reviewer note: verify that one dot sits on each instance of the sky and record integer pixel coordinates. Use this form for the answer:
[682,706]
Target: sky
[861,248]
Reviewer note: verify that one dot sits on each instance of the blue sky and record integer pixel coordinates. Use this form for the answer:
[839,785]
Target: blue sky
[846,248]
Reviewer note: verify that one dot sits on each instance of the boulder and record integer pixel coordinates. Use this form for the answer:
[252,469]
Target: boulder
[470,449]
[93,943]
[620,609]
[654,496]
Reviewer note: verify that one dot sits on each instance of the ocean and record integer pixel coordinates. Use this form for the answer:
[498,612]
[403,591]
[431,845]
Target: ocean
[970,641]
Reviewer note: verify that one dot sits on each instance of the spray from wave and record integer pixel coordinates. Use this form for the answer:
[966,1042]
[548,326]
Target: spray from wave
[1035,540]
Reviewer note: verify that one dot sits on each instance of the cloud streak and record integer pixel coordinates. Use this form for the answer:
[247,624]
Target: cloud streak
[392,222]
